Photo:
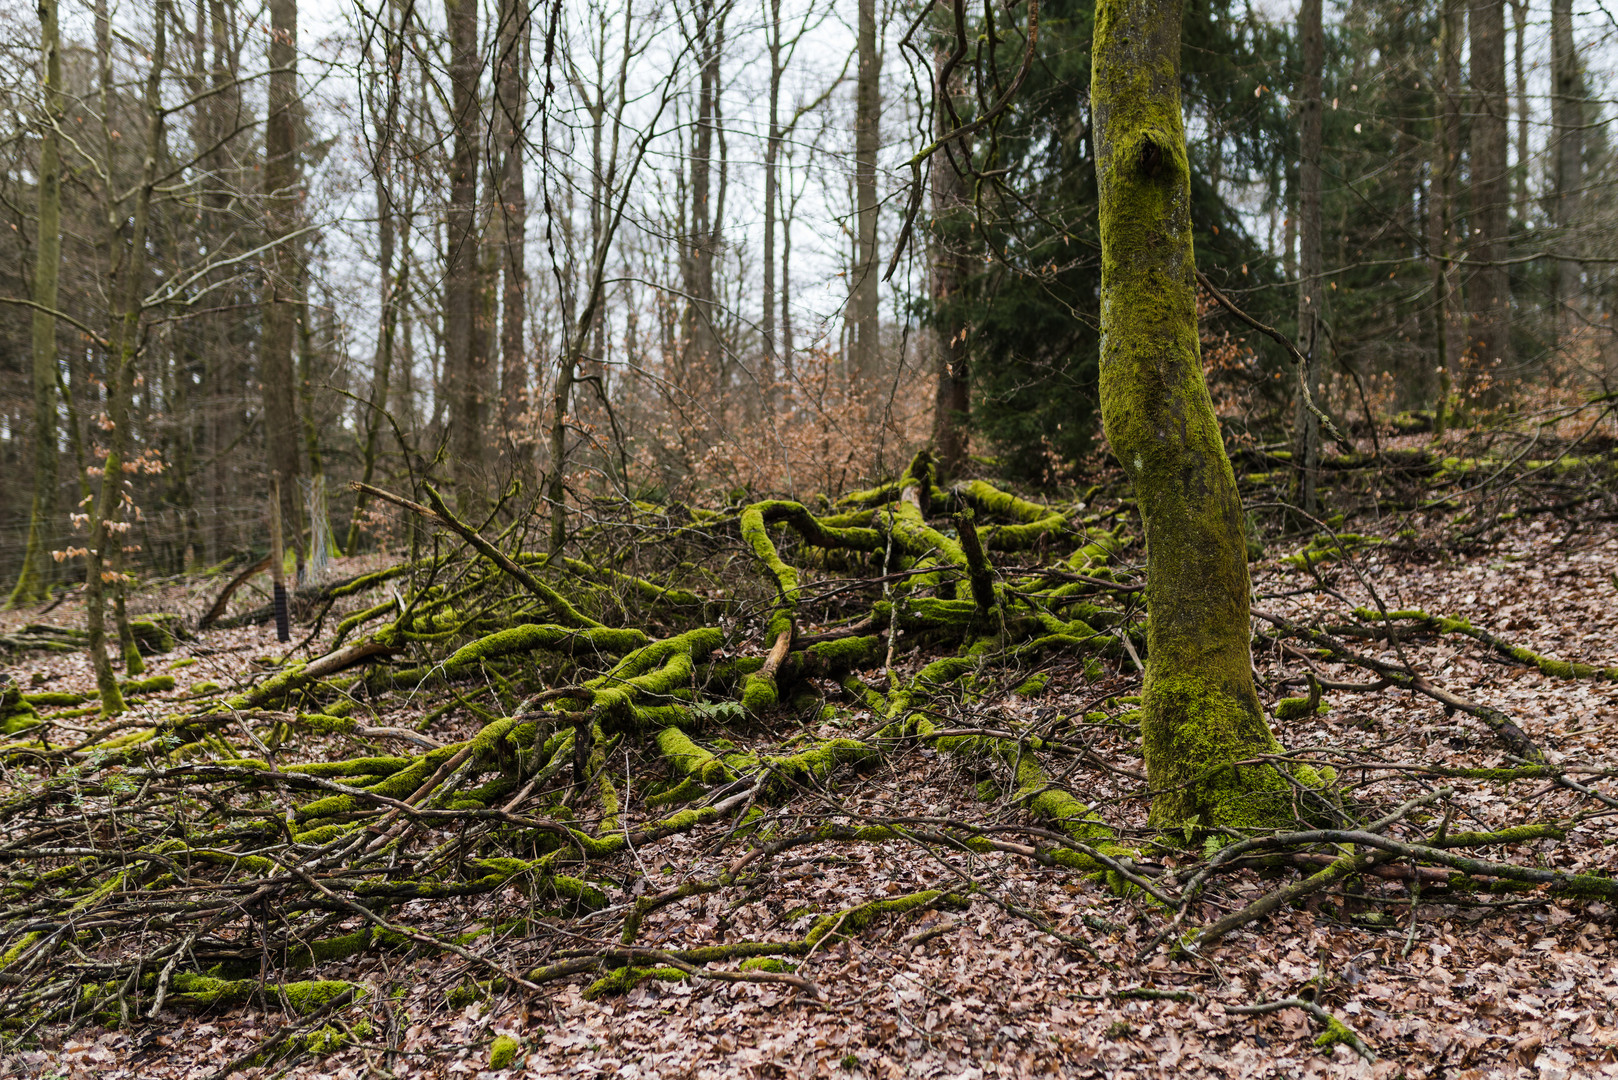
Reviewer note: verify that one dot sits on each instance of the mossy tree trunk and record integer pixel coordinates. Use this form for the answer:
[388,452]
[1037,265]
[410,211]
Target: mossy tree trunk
[34,582]
[1200,710]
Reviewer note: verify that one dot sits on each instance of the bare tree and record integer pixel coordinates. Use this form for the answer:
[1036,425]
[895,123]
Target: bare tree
[1311,264]
[1567,161]
[865,274]
[1488,286]
[33,583]
[282,294]
[465,380]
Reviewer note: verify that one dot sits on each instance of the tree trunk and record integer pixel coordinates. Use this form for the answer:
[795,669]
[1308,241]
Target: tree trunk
[772,153]
[699,359]
[282,435]
[388,287]
[463,382]
[1567,163]
[34,582]
[1201,713]
[953,402]
[1488,289]
[1311,264]
[106,530]
[1519,13]
[864,275]
[511,113]
[1441,203]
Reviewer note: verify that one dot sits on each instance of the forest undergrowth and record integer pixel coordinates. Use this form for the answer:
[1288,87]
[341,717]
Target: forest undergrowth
[852,788]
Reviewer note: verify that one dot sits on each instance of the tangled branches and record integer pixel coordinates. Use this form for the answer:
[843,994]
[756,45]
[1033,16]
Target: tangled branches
[574,749]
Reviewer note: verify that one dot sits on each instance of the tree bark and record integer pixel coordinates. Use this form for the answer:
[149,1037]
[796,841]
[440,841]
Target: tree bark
[1567,163]
[1441,203]
[33,584]
[1311,264]
[700,358]
[865,273]
[953,401]
[511,113]
[768,373]
[1201,713]
[1488,288]
[105,528]
[1519,12]
[282,297]
[463,383]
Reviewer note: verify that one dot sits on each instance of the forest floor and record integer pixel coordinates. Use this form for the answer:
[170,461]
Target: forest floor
[1476,986]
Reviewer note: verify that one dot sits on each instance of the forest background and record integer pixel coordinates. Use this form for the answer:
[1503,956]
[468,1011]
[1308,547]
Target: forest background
[639,403]
[650,253]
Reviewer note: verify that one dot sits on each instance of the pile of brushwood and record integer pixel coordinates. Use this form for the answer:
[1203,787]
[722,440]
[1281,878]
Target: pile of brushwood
[481,720]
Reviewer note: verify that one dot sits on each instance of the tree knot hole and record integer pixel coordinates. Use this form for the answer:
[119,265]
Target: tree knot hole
[1151,158]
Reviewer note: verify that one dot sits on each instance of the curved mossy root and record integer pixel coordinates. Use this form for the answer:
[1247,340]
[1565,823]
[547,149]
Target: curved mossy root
[1034,521]
[1561,669]
[1194,735]
[809,765]
[662,669]
[530,637]
[200,992]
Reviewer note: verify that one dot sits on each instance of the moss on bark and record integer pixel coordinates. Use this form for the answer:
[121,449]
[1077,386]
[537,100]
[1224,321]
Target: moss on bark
[1200,710]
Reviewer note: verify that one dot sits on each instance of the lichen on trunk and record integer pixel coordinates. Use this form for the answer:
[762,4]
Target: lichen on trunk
[1201,713]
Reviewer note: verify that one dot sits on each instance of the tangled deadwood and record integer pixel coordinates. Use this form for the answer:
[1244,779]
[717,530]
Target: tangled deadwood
[488,722]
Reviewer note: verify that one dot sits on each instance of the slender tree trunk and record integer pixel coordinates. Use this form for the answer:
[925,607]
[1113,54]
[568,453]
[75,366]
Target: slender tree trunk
[34,582]
[865,274]
[953,401]
[1567,163]
[700,358]
[1201,713]
[282,435]
[1311,264]
[463,382]
[768,373]
[511,111]
[1519,12]
[389,288]
[1441,203]
[106,530]
[1488,289]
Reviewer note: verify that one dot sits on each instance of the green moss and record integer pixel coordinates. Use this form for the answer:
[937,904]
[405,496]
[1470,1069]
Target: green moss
[759,694]
[1296,708]
[991,500]
[303,997]
[464,994]
[841,925]
[819,761]
[1336,1032]
[151,635]
[207,686]
[768,963]
[690,759]
[154,685]
[1193,734]
[11,955]
[503,1052]
[1033,686]
[54,698]
[626,979]
[529,637]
